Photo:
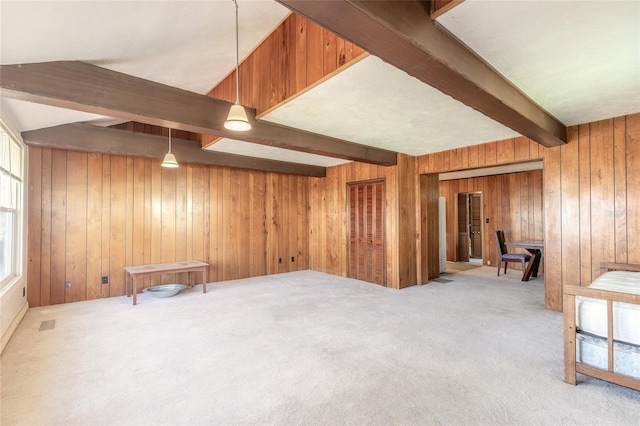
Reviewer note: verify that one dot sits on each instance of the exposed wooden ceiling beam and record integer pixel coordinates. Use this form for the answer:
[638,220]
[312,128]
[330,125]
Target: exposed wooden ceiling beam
[403,34]
[440,7]
[85,137]
[89,88]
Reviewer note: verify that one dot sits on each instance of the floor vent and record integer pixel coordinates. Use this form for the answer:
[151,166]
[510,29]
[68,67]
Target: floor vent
[47,325]
[441,280]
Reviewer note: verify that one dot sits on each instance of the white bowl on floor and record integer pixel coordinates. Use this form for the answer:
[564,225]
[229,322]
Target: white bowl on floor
[164,290]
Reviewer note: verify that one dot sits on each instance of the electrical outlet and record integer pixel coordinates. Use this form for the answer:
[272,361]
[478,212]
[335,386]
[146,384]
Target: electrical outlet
[279,260]
[67,284]
[293,259]
[489,262]
[105,279]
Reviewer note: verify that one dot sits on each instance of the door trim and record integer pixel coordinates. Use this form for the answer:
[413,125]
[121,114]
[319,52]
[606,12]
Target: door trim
[384,224]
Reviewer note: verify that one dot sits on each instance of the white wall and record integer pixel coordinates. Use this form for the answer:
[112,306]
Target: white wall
[13,299]
[13,306]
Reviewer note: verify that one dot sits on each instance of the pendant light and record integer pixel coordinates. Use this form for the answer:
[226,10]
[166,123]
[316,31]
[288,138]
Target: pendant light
[237,119]
[170,159]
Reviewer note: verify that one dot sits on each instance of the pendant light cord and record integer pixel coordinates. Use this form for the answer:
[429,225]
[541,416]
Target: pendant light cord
[237,59]
[169,141]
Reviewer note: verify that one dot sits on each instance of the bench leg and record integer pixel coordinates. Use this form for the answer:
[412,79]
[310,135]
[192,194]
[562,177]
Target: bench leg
[135,291]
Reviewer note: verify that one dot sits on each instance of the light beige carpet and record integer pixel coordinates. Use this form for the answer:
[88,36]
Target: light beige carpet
[305,348]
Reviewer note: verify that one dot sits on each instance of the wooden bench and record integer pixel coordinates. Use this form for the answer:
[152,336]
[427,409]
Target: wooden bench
[133,273]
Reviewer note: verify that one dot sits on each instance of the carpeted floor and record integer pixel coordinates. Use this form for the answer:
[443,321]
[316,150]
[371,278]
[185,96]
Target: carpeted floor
[305,348]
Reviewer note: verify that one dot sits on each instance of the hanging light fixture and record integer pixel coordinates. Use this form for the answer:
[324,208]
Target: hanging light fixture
[237,119]
[170,159]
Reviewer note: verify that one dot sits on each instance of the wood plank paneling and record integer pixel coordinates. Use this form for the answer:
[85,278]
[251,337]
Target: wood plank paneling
[620,190]
[106,223]
[505,151]
[330,60]
[200,234]
[300,42]
[590,200]
[100,213]
[94,225]
[117,222]
[283,238]
[408,228]
[45,231]
[632,137]
[34,226]
[584,149]
[314,52]
[491,153]
[606,154]
[522,146]
[327,216]
[430,231]
[257,237]
[570,189]
[509,202]
[58,228]
[156,221]
[215,239]
[181,220]
[129,213]
[553,229]
[602,195]
[297,55]
[76,227]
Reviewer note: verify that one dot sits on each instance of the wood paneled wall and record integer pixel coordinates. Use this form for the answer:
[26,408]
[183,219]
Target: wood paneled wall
[328,226]
[429,258]
[511,202]
[409,220]
[295,57]
[92,214]
[592,202]
[591,196]
[507,151]
[328,218]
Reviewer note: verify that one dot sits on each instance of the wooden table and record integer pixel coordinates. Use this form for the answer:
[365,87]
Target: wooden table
[133,273]
[533,247]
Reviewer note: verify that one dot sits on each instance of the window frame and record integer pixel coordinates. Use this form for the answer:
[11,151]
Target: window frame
[17,184]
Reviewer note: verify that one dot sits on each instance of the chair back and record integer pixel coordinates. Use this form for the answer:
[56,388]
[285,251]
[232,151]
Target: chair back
[502,248]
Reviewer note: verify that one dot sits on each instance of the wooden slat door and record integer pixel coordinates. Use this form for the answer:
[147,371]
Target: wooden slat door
[463,227]
[366,232]
[475,209]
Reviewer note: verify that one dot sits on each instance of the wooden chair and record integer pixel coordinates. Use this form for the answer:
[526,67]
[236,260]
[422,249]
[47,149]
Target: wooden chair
[504,256]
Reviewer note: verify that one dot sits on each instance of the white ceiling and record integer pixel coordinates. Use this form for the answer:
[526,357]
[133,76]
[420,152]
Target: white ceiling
[392,110]
[579,60]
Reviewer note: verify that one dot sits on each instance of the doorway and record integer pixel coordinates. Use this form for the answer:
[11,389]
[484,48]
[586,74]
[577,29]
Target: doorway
[469,223]
[366,254]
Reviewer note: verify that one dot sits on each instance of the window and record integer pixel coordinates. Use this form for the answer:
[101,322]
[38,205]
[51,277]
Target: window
[10,199]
